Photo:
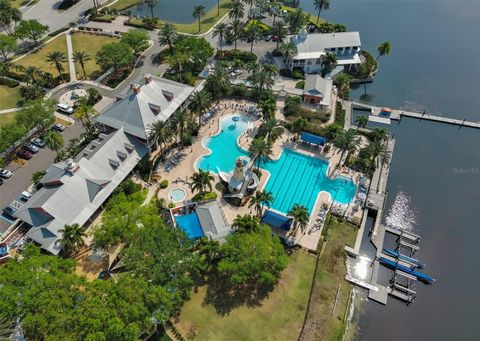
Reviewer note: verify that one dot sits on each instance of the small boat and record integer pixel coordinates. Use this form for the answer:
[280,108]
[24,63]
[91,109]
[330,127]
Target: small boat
[421,276]
[395,254]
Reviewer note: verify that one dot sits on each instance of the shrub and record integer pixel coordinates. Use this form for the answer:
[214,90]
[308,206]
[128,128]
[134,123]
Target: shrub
[60,30]
[9,82]
[300,84]
[127,187]
[171,205]
[296,73]
[231,55]
[144,166]
[187,139]
[164,184]
[103,18]
[94,96]
[204,196]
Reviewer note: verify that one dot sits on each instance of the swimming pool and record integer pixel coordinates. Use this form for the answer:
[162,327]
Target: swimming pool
[190,224]
[223,146]
[177,194]
[294,178]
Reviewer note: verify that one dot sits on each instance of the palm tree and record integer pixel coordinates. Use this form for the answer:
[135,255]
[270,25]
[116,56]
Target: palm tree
[347,142]
[384,49]
[361,121]
[380,155]
[200,101]
[246,223]
[32,74]
[161,132]
[237,10]
[151,4]
[177,60]
[221,30]
[329,61]
[272,129]
[261,81]
[260,199]
[288,51]
[57,58]
[199,12]
[235,27]
[180,122]
[83,112]
[209,252]
[268,107]
[81,57]
[72,238]
[321,5]
[298,125]
[260,151]
[201,180]
[167,35]
[253,34]
[379,134]
[249,2]
[7,328]
[342,82]
[54,141]
[278,29]
[301,216]
[296,20]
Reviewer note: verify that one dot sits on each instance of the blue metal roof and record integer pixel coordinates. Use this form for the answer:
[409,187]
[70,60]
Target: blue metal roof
[277,220]
[314,139]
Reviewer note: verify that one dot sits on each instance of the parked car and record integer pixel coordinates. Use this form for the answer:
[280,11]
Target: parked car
[5,173]
[65,108]
[31,148]
[38,142]
[58,127]
[268,38]
[24,154]
[9,211]
[25,196]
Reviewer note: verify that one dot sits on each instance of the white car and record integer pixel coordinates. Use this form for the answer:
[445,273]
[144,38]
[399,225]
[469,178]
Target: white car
[65,108]
[4,173]
[25,195]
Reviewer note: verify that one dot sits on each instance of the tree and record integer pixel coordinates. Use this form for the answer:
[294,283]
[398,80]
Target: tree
[81,57]
[296,20]
[201,180]
[54,141]
[209,251]
[262,81]
[246,223]
[379,134]
[260,199]
[384,49]
[9,16]
[162,134]
[301,217]
[8,44]
[321,5]
[137,39]
[37,176]
[253,34]
[342,82]
[221,30]
[237,10]
[288,51]
[32,74]
[278,29]
[31,29]
[271,129]
[268,107]
[32,91]
[167,35]
[260,151]
[199,103]
[198,13]
[114,55]
[151,4]
[217,84]
[361,121]
[236,27]
[329,62]
[83,112]
[37,113]
[72,239]
[298,125]
[57,58]
[178,124]
[347,142]
[252,259]
[379,154]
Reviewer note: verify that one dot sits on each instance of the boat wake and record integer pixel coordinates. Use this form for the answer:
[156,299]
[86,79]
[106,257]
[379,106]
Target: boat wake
[402,215]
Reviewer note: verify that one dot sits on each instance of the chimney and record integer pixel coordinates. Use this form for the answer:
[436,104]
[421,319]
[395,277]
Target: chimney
[136,88]
[148,78]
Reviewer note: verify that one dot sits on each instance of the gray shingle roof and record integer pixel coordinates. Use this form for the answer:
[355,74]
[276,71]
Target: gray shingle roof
[156,100]
[80,194]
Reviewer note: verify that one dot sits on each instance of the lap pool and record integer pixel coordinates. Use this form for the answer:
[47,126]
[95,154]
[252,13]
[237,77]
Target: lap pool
[294,178]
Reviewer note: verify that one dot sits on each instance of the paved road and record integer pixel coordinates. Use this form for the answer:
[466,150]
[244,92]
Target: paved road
[47,13]
[22,177]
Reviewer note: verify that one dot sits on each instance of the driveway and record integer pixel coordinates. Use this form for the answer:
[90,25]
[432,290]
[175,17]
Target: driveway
[22,177]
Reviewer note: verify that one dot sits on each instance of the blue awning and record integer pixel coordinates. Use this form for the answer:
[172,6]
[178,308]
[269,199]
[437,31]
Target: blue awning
[313,139]
[277,220]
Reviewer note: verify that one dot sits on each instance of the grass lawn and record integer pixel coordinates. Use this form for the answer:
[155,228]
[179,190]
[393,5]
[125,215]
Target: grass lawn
[91,44]
[330,276]
[277,317]
[18,3]
[311,17]
[122,4]
[8,99]
[38,58]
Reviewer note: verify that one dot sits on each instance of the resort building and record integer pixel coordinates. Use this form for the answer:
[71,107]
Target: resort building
[73,190]
[311,47]
[149,100]
[318,92]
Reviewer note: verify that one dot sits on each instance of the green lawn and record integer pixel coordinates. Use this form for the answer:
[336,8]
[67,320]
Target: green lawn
[329,278]
[38,58]
[18,3]
[311,17]
[91,44]
[277,317]
[122,4]
[8,99]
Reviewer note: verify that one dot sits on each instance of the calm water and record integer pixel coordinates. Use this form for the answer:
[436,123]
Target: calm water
[434,183]
[179,11]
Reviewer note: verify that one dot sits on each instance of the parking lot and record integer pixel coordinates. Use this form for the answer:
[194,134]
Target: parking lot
[22,176]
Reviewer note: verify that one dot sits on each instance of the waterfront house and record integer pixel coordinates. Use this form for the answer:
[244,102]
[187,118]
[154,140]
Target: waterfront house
[318,92]
[311,47]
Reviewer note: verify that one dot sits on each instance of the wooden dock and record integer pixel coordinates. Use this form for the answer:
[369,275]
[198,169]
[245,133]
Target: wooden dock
[398,114]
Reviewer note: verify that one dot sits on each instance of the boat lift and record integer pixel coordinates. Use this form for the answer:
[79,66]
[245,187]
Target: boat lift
[411,247]
[408,236]
[403,290]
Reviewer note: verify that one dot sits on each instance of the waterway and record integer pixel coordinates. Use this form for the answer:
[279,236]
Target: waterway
[434,182]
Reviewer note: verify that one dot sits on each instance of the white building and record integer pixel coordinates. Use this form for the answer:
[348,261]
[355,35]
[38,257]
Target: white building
[312,47]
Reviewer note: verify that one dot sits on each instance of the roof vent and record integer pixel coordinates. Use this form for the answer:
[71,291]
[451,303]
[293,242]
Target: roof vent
[129,147]
[148,78]
[114,163]
[168,95]
[135,87]
[155,108]
[70,166]
[121,155]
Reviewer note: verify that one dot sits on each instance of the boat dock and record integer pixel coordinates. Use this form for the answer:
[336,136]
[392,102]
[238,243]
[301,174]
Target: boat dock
[397,115]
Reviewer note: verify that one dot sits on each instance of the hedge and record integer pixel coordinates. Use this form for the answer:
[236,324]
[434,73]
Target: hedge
[9,82]
[204,196]
[60,30]
[244,56]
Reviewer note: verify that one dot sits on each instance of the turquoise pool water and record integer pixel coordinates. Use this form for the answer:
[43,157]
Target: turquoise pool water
[177,195]
[294,178]
[224,146]
[190,224]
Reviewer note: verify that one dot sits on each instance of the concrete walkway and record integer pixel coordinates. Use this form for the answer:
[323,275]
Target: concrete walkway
[71,63]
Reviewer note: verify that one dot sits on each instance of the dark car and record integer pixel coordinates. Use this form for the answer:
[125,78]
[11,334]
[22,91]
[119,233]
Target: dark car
[58,127]
[24,154]
[31,148]
[268,38]
[9,211]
